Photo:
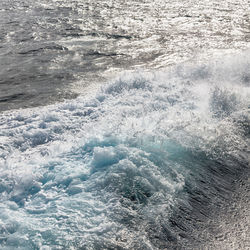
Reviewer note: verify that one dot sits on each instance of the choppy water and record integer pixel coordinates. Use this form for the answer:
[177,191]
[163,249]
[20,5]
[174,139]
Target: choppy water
[149,160]
[51,50]
[135,167]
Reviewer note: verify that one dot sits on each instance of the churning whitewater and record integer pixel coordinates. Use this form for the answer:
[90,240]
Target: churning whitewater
[134,167]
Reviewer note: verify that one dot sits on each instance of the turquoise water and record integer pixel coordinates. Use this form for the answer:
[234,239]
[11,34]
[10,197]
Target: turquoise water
[133,167]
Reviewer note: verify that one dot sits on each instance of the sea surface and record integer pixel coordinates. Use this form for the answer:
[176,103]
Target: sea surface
[124,124]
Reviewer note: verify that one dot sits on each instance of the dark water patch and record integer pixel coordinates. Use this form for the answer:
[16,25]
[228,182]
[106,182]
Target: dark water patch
[11,97]
[27,100]
[212,192]
[118,36]
[41,49]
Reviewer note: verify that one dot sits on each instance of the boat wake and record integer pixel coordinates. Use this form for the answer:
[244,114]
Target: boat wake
[135,167]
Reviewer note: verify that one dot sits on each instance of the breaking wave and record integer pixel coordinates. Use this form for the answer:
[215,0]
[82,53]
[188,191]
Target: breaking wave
[132,168]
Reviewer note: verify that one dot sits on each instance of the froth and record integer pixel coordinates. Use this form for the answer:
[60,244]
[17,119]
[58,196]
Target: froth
[108,171]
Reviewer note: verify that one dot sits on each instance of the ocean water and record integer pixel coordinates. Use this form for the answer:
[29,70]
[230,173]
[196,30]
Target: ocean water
[150,149]
[134,167]
[52,50]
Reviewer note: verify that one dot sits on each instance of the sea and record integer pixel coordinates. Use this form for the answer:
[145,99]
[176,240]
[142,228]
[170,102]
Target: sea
[124,124]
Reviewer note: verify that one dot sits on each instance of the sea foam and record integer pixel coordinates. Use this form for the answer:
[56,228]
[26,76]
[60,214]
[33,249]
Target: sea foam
[109,172]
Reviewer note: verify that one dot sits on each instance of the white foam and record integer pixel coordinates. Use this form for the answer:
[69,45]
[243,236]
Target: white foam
[100,170]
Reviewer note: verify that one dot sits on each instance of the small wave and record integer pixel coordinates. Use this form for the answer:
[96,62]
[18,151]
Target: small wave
[11,97]
[46,47]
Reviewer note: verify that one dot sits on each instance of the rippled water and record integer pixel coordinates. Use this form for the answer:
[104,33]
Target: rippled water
[51,50]
[147,156]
